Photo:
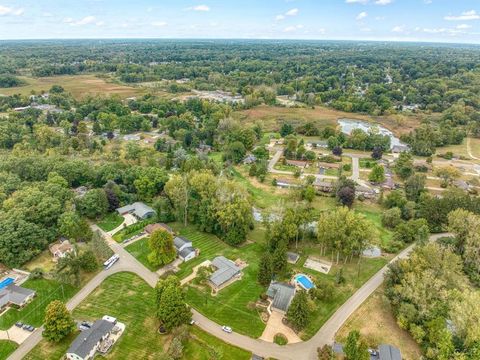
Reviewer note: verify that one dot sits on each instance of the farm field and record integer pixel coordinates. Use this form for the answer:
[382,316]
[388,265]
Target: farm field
[133,304]
[272,117]
[78,85]
[377,325]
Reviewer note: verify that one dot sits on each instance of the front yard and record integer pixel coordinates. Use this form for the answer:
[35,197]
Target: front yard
[140,250]
[131,300]
[6,348]
[110,222]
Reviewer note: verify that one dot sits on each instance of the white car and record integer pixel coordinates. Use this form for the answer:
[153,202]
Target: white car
[227,329]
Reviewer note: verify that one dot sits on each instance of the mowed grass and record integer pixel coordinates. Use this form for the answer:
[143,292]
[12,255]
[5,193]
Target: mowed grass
[33,313]
[110,222]
[377,325]
[140,250]
[6,348]
[78,85]
[128,298]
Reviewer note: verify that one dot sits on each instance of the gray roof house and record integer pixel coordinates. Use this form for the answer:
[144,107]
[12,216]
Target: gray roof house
[388,352]
[15,295]
[281,295]
[226,272]
[139,209]
[184,248]
[86,343]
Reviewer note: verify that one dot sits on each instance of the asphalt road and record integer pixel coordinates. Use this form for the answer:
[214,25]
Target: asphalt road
[303,350]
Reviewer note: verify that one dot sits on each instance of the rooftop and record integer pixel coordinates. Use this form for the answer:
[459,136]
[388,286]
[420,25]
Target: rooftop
[226,270]
[389,352]
[282,295]
[138,208]
[14,294]
[179,241]
[88,339]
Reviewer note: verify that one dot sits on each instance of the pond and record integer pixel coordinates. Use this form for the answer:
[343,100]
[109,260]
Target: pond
[347,125]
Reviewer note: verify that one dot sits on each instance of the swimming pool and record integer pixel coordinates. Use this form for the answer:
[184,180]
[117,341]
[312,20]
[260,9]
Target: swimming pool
[6,282]
[304,281]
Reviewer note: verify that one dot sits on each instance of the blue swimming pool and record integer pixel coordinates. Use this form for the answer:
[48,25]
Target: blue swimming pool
[304,281]
[6,282]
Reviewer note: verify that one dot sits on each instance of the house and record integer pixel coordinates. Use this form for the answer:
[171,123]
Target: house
[249,159]
[384,352]
[138,209]
[150,228]
[323,186]
[226,273]
[397,149]
[316,144]
[61,248]
[365,191]
[281,295]
[299,163]
[15,295]
[184,248]
[284,183]
[99,337]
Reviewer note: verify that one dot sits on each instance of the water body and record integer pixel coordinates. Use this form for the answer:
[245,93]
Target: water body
[347,125]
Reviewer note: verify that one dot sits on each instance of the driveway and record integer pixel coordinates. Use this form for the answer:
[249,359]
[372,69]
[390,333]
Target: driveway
[15,334]
[128,219]
[275,326]
[292,351]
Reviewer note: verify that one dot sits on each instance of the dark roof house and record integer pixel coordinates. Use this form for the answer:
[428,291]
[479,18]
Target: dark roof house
[150,228]
[281,295]
[15,295]
[388,352]
[85,344]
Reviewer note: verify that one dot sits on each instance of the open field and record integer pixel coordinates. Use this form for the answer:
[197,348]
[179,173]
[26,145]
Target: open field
[128,298]
[272,117]
[110,221]
[376,323]
[78,85]
[33,313]
[6,348]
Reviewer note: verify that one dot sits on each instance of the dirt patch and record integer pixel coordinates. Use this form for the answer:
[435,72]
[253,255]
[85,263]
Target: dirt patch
[375,321]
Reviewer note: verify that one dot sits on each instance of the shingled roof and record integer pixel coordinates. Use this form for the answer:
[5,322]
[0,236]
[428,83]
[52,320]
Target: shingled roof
[282,295]
[86,341]
[226,270]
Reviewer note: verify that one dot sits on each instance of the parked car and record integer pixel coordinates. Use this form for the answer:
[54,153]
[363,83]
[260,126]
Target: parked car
[19,324]
[192,322]
[87,324]
[227,329]
[83,328]
[28,327]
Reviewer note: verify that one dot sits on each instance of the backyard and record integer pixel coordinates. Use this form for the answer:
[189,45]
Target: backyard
[131,300]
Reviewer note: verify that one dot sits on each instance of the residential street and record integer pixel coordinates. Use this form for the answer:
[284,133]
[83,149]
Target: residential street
[303,350]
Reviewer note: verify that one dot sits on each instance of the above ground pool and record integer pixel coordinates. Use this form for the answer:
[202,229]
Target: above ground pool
[304,281]
[6,282]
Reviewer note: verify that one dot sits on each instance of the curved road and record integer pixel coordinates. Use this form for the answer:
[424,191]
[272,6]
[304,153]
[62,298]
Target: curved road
[303,350]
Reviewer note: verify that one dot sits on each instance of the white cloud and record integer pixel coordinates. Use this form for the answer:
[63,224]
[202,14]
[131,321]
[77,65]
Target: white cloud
[47,14]
[362,15]
[159,23]
[383,2]
[202,7]
[428,2]
[292,12]
[87,20]
[293,28]
[463,26]
[356,1]
[5,11]
[398,29]
[466,15]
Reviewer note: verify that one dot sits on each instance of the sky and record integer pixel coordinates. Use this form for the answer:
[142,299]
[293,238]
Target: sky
[456,21]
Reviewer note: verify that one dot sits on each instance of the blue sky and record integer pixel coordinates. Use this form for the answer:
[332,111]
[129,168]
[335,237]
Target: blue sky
[398,20]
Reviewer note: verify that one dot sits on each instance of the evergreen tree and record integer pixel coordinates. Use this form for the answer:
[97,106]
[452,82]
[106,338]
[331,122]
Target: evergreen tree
[161,247]
[265,270]
[355,348]
[298,313]
[172,310]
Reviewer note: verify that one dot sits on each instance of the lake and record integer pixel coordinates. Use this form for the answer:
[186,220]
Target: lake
[347,125]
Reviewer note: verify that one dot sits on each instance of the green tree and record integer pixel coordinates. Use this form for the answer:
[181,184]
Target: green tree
[355,348]
[72,226]
[412,231]
[93,204]
[162,250]
[377,175]
[58,322]
[414,186]
[265,273]
[392,217]
[172,311]
[404,165]
[298,313]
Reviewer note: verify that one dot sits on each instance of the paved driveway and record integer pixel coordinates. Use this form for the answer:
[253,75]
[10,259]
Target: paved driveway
[275,326]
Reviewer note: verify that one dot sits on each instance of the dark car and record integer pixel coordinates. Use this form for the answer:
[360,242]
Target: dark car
[19,324]
[86,324]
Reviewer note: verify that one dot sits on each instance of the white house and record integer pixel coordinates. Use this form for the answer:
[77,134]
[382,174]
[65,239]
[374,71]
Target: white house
[184,248]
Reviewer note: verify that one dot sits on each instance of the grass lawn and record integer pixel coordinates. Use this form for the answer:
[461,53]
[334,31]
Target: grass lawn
[131,300]
[127,233]
[140,250]
[42,261]
[33,313]
[375,321]
[6,348]
[232,305]
[110,222]
[78,85]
